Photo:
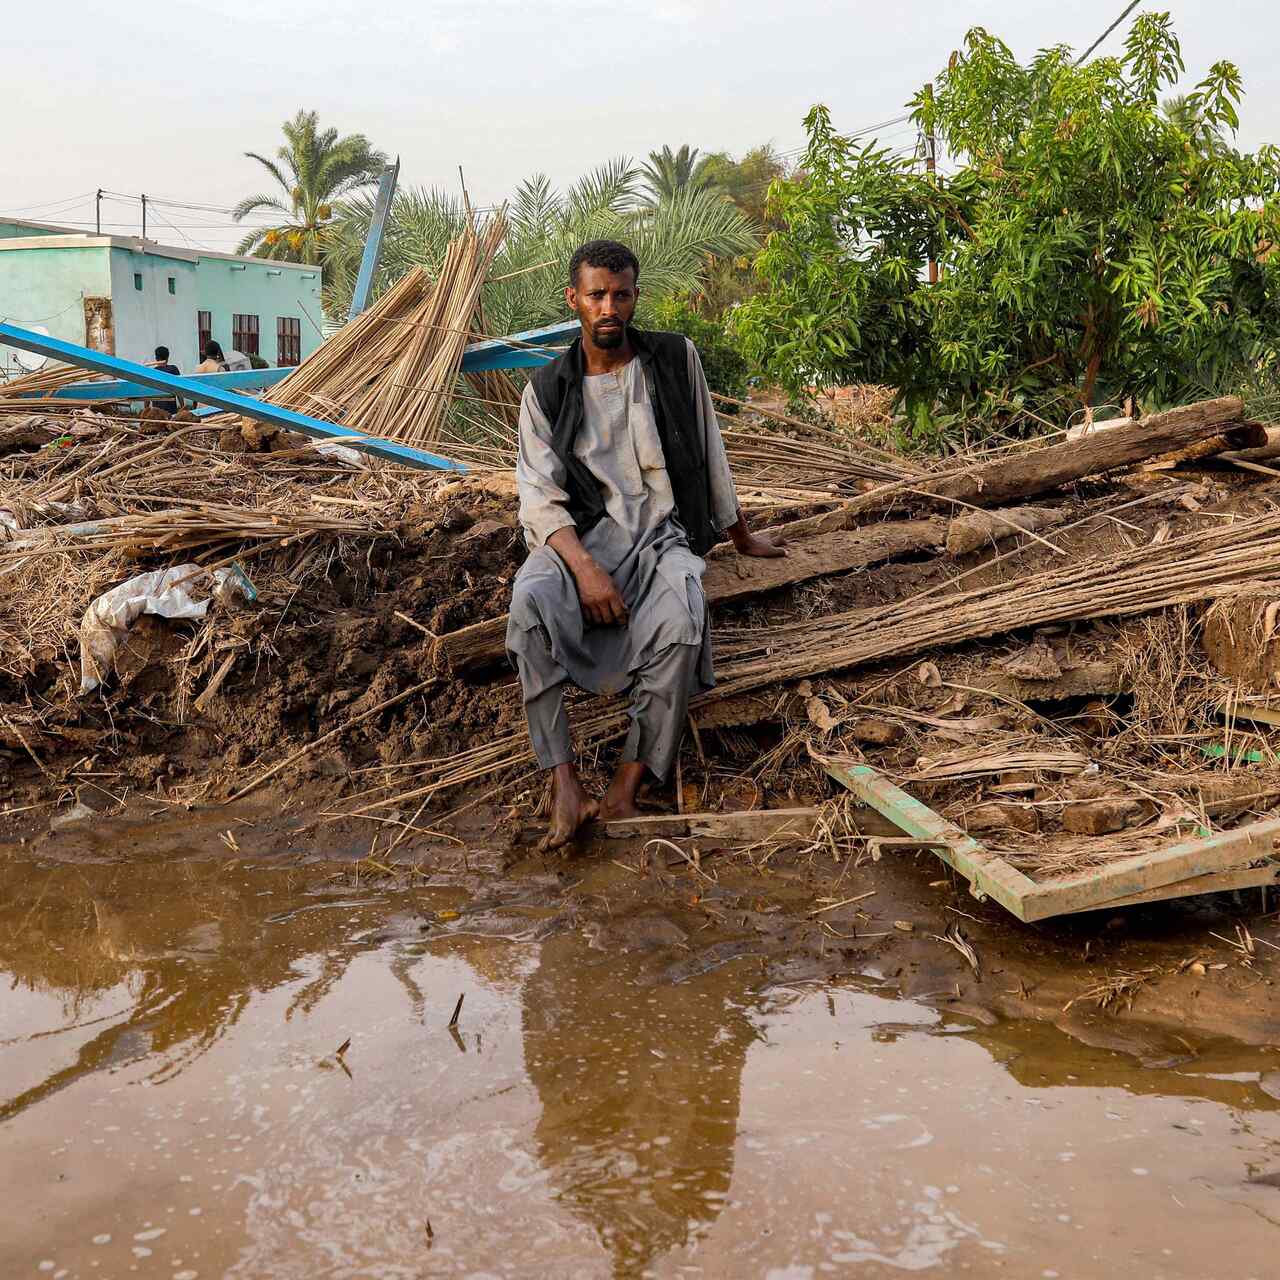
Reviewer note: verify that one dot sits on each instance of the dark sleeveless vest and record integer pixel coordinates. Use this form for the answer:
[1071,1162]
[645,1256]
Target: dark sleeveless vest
[664,360]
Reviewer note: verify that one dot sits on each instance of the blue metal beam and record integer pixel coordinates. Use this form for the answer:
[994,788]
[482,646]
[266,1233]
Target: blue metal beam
[116,389]
[192,389]
[373,241]
[520,350]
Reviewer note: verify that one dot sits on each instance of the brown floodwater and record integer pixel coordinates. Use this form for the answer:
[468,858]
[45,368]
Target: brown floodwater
[173,1102]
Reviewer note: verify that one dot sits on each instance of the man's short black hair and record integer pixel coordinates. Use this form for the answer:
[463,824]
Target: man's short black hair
[162,353]
[608,254]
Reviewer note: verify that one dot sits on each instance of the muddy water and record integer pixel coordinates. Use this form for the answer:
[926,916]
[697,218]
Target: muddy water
[172,1102]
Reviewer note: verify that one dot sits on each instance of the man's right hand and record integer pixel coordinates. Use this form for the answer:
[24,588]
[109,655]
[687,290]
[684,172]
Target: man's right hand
[601,600]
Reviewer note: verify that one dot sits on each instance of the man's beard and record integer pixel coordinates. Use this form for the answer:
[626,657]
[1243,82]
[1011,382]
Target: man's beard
[608,338]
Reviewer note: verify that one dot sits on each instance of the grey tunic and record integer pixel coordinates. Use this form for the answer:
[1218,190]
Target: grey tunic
[640,544]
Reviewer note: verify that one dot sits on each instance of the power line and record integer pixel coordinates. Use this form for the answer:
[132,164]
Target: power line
[1106,33]
[66,200]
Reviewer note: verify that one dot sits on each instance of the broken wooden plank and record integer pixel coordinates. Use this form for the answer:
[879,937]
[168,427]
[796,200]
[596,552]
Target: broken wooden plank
[744,827]
[1252,711]
[1269,449]
[730,576]
[1247,435]
[1089,678]
[1213,882]
[989,875]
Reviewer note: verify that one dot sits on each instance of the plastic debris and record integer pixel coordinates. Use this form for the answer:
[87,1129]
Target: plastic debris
[166,593]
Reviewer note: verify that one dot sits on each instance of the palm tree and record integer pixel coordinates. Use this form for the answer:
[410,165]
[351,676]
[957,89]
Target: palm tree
[1187,114]
[669,172]
[314,169]
[674,240]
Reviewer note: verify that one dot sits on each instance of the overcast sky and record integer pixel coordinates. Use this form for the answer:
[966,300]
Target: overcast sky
[165,97]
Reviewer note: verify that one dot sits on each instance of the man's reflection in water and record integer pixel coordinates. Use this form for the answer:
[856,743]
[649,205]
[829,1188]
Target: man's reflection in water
[640,1085]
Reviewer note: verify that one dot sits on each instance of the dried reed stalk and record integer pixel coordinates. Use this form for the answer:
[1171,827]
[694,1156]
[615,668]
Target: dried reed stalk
[43,381]
[1225,559]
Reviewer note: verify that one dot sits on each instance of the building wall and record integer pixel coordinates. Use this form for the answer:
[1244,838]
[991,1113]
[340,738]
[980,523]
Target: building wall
[263,289]
[45,289]
[151,316]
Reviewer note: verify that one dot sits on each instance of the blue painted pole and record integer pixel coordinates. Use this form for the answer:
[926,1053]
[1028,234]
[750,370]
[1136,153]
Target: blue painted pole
[117,389]
[373,241]
[192,389]
[524,350]
[516,351]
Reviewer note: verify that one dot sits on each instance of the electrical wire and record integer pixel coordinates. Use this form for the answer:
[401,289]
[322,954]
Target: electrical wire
[1128,10]
[66,200]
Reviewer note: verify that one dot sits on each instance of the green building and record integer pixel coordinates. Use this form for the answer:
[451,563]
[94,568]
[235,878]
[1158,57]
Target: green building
[127,296]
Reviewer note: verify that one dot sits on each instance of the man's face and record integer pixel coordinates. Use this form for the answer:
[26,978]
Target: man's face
[604,301]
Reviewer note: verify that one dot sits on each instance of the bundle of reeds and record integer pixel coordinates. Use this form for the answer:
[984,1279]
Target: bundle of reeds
[180,529]
[1223,560]
[43,381]
[829,462]
[393,370]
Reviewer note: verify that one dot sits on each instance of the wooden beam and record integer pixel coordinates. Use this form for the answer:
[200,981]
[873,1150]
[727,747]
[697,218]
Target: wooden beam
[1013,477]
[730,576]
[744,827]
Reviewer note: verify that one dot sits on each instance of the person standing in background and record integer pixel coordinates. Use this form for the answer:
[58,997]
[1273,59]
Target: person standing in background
[161,362]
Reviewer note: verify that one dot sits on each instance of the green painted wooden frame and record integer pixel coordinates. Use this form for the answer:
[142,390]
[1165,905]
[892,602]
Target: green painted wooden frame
[1133,879]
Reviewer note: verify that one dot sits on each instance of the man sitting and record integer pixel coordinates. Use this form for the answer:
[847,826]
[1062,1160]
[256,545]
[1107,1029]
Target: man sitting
[624,485]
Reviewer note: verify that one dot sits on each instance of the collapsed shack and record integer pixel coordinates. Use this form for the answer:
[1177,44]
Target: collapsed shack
[1075,691]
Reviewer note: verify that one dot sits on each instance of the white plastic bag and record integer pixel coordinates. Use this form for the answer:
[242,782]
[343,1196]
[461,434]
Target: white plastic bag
[161,592]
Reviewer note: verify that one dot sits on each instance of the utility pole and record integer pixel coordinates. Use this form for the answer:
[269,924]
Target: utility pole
[931,165]
[144,216]
[97,211]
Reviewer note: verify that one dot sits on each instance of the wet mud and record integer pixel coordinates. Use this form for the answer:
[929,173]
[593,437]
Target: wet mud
[220,1061]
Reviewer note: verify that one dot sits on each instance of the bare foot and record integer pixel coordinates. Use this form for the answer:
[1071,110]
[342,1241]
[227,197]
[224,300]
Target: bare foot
[620,800]
[571,808]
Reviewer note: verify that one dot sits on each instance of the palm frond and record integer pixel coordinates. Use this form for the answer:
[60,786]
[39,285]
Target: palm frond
[610,186]
[250,204]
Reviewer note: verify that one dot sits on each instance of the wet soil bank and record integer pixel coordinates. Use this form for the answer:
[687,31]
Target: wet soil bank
[225,1050]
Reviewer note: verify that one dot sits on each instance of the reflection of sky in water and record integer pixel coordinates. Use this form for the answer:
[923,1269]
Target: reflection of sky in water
[175,1103]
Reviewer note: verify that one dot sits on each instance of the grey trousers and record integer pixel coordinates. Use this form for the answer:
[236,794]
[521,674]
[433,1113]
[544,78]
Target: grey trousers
[659,707]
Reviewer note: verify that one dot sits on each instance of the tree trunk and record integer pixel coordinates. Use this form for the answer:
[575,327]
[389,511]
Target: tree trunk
[1023,475]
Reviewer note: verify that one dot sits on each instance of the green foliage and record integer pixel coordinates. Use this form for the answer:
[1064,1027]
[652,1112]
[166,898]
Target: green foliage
[1187,114]
[745,184]
[722,359]
[1089,247]
[674,240]
[313,169]
[667,173]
